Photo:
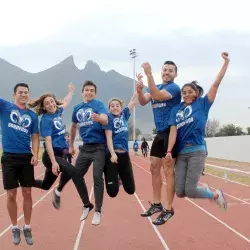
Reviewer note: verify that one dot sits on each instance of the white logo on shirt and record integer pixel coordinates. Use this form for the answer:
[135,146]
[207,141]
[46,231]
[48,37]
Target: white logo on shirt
[84,116]
[19,122]
[119,125]
[183,116]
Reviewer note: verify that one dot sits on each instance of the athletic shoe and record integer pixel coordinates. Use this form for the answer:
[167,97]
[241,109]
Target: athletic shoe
[16,237]
[97,218]
[220,201]
[86,210]
[28,236]
[152,210]
[56,200]
[163,217]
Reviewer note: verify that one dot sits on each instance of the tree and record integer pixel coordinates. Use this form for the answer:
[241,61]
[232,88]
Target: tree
[212,127]
[248,130]
[230,130]
[154,131]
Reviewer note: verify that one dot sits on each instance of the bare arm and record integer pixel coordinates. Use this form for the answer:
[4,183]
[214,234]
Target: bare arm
[133,102]
[142,98]
[102,118]
[158,95]
[110,145]
[67,99]
[214,88]
[172,138]
[35,148]
[72,134]
[49,149]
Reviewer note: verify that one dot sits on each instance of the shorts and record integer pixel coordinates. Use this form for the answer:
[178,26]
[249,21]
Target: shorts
[159,146]
[17,170]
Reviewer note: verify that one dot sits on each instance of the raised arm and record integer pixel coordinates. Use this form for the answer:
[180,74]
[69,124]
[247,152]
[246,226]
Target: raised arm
[67,99]
[142,98]
[156,94]
[214,88]
[133,101]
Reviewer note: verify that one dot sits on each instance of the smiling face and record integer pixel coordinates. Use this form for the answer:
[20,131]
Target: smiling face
[88,93]
[168,73]
[189,95]
[49,105]
[21,96]
[115,108]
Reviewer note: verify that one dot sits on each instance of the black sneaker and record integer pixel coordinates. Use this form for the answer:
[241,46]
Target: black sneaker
[16,237]
[28,236]
[163,217]
[56,200]
[152,210]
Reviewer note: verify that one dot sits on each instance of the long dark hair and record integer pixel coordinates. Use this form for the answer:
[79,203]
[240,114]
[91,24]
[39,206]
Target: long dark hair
[194,85]
[37,103]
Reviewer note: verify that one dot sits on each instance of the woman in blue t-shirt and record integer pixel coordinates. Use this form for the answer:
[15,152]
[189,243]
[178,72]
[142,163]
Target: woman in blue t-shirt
[188,122]
[53,130]
[118,164]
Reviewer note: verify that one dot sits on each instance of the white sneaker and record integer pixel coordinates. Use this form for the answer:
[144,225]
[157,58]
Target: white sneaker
[85,211]
[220,201]
[96,219]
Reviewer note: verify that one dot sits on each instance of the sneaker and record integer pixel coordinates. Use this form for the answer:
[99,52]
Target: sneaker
[152,210]
[28,236]
[163,217]
[220,201]
[97,218]
[86,210]
[16,237]
[56,200]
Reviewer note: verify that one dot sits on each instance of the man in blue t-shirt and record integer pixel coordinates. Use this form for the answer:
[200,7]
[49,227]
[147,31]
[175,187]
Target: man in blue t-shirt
[90,115]
[136,147]
[19,128]
[162,97]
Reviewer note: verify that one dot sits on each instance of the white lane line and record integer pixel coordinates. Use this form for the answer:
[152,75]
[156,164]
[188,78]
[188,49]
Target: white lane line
[154,227]
[20,217]
[205,211]
[78,238]
[6,192]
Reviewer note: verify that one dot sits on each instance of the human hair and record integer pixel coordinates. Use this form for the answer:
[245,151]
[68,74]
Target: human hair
[117,100]
[37,103]
[171,63]
[21,84]
[89,83]
[197,88]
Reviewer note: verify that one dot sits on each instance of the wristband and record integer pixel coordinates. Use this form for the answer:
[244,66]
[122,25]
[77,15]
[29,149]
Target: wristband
[169,152]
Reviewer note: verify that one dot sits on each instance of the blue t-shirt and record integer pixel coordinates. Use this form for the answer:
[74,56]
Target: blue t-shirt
[90,131]
[136,145]
[190,122]
[119,128]
[52,125]
[162,109]
[17,127]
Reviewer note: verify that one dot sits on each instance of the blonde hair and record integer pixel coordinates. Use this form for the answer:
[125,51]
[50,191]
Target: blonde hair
[117,100]
[37,103]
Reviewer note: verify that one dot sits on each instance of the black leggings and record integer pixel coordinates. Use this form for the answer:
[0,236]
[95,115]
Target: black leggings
[124,169]
[68,157]
[68,172]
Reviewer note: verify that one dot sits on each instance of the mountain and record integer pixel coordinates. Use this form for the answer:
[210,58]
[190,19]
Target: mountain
[55,79]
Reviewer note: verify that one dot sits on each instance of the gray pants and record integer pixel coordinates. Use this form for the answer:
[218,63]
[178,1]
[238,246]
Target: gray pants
[89,153]
[188,169]
[95,153]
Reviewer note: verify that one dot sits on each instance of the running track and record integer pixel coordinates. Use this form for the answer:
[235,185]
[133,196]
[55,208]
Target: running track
[196,225]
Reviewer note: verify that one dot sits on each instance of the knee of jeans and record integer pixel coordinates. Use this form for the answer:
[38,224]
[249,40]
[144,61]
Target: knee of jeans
[97,177]
[180,192]
[190,192]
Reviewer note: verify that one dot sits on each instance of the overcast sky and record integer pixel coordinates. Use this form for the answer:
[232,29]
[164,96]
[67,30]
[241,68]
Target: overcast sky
[36,36]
